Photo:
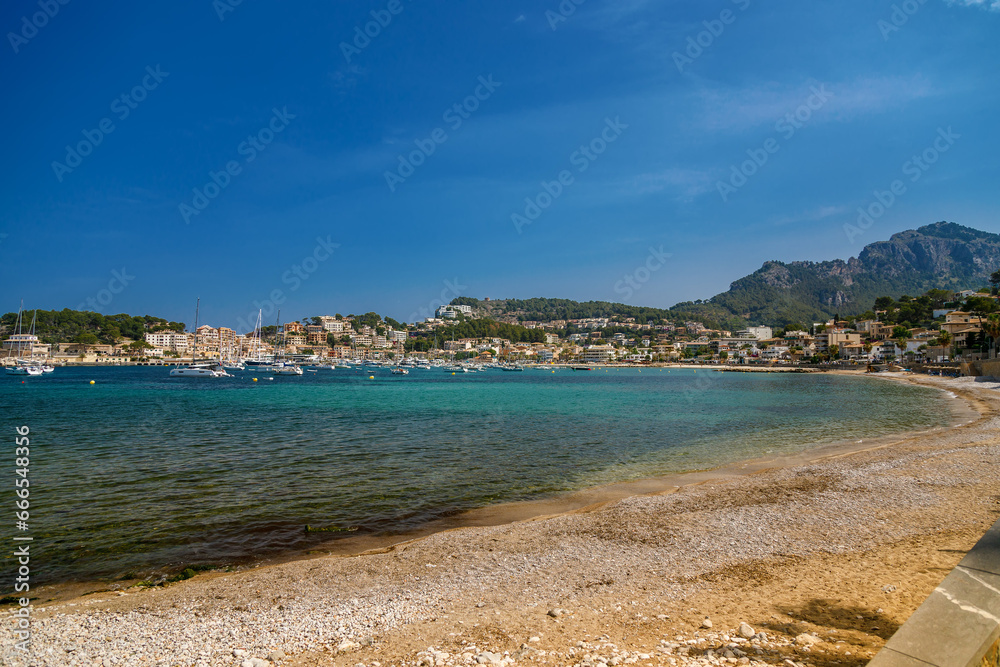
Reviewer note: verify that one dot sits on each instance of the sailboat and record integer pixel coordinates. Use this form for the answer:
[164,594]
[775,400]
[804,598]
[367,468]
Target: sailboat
[23,366]
[280,366]
[45,368]
[256,361]
[199,369]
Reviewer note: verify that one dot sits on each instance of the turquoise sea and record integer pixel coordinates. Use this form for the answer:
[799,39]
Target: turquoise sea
[140,474]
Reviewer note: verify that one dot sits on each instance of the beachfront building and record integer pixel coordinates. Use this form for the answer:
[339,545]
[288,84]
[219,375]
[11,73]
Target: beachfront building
[598,354]
[21,342]
[886,349]
[168,341]
[775,352]
[839,338]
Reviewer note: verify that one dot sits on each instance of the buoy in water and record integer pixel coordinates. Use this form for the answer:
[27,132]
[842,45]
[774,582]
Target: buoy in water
[372,377]
[91,382]
[255,379]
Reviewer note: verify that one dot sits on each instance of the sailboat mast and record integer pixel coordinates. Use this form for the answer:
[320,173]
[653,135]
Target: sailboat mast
[194,354]
[280,352]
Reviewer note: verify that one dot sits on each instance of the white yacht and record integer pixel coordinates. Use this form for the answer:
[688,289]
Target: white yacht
[286,368]
[199,369]
[24,368]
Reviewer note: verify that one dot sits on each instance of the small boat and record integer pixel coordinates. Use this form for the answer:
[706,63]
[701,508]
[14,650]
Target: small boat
[200,369]
[582,368]
[400,371]
[28,369]
[284,368]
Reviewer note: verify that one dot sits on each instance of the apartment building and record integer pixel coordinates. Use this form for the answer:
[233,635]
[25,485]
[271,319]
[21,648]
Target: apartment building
[168,340]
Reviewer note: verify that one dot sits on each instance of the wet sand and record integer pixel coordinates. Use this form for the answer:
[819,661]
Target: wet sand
[844,541]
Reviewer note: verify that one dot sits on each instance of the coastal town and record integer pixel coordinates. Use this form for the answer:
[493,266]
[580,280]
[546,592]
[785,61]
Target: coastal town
[965,331]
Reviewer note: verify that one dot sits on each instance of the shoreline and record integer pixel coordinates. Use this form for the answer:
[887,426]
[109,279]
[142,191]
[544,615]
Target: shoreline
[789,550]
[583,500]
[844,547]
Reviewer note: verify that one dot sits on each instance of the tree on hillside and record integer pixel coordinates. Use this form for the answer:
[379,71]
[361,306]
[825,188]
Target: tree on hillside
[995,281]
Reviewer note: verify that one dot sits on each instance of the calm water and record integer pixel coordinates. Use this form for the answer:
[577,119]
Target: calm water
[140,473]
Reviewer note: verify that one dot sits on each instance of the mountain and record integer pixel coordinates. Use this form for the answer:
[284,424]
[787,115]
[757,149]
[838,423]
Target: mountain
[943,255]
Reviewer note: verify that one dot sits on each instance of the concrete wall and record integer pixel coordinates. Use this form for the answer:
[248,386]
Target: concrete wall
[959,624]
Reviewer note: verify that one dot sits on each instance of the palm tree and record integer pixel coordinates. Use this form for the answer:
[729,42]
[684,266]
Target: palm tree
[991,327]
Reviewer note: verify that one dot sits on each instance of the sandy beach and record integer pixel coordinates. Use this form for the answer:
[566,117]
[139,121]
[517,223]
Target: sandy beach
[816,559]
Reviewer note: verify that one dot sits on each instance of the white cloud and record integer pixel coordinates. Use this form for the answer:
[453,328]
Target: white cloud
[520,19]
[809,216]
[687,183]
[992,5]
[726,109]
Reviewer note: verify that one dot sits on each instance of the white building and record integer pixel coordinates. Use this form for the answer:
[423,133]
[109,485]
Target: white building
[168,340]
[598,354]
[760,333]
[331,324]
[451,312]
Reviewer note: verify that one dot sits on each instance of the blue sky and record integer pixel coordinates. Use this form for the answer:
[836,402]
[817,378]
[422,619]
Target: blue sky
[642,108]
